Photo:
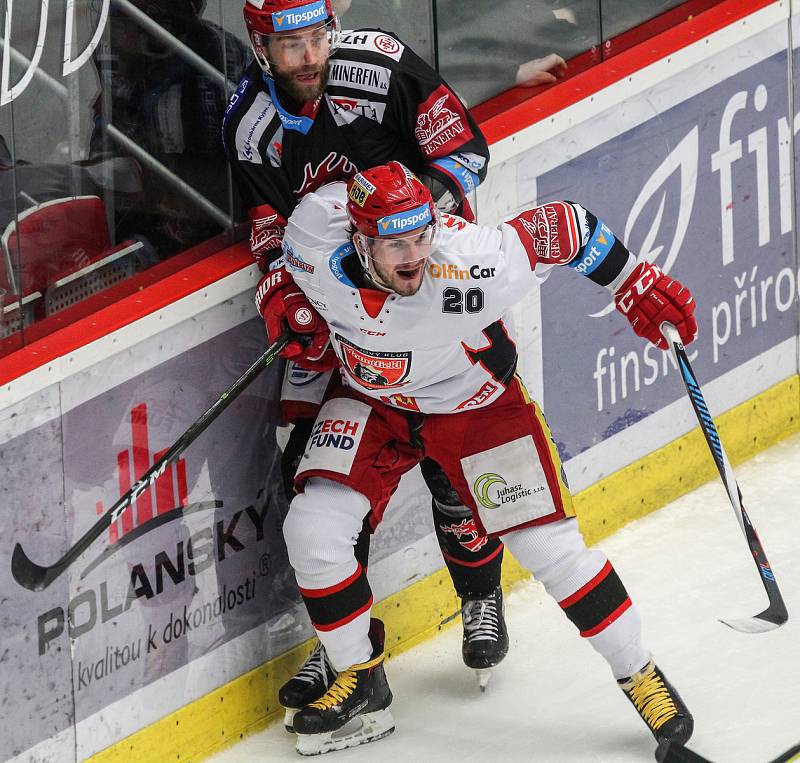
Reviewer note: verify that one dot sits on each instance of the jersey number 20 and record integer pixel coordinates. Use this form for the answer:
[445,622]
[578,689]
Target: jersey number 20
[456,301]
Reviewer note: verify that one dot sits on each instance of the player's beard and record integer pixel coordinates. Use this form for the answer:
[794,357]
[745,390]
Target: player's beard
[404,287]
[296,90]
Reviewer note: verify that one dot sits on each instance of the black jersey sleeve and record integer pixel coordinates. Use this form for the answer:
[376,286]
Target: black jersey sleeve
[451,146]
[263,189]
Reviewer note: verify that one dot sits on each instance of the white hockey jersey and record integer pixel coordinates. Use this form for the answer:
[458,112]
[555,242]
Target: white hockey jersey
[450,346]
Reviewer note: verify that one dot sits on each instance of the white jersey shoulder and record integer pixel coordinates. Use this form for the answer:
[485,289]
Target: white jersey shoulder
[317,228]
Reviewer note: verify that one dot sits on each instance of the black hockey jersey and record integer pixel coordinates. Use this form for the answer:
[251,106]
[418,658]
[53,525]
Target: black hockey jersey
[382,103]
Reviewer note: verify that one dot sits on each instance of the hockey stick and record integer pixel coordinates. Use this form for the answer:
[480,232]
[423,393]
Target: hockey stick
[36,577]
[672,752]
[775,614]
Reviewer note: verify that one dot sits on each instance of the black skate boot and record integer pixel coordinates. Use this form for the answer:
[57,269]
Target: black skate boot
[353,711]
[659,705]
[485,636]
[307,685]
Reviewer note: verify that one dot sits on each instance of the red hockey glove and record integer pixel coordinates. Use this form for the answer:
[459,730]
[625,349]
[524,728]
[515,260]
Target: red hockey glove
[647,298]
[284,306]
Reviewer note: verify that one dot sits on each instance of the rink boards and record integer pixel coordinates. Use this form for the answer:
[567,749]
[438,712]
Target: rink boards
[172,636]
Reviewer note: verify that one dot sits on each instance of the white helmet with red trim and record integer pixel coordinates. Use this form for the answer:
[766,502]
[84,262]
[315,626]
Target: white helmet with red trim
[264,18]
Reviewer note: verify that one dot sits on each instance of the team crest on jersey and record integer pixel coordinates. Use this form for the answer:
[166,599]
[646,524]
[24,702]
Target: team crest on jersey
[375,370]
[374,41]
[550,233]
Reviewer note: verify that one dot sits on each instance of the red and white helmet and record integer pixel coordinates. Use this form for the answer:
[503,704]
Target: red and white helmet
[388,201]
[268,17]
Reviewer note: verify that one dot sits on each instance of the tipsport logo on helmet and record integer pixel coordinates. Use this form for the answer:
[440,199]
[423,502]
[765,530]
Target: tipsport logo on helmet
[296,18]
[404,221]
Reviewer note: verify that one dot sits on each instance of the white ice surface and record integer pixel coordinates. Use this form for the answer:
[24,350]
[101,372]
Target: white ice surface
[553,698]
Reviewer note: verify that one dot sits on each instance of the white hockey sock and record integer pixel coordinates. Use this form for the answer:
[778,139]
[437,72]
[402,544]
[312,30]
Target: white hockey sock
[557,556]
[321,529]
[348,644]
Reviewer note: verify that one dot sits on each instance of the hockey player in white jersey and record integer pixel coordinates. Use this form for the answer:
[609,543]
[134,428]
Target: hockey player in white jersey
[414,305]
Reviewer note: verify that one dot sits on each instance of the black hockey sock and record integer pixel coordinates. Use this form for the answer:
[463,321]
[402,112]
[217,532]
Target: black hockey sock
[474,561]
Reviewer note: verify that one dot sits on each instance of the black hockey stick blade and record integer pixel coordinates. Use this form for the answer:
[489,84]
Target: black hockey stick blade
[789,756]
[35,577]
[672,752]
[775,614]
[31,575]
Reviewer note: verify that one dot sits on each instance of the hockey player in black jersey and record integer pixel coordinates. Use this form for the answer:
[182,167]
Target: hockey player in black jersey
[317,105]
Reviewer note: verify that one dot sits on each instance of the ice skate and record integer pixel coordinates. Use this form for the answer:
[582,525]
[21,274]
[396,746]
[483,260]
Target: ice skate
[353,711]
[659,705]
[307,685]
[485,636]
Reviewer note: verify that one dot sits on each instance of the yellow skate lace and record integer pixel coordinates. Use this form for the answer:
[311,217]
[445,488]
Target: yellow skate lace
[652,699]
[343,686]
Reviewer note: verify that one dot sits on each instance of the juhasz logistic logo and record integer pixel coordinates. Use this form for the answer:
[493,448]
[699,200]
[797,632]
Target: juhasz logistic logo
[491,497]
[481,489]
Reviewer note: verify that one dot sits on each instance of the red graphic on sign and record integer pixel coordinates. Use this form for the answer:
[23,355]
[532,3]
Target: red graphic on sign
[165,485]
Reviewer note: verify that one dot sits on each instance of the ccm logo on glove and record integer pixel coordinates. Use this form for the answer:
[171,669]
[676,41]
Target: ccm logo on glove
[648,298]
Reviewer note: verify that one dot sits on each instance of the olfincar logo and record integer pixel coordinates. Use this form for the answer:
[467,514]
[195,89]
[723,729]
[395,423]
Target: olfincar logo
[481,489]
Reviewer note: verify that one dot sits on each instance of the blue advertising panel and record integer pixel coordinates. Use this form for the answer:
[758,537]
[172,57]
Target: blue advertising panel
[702,190]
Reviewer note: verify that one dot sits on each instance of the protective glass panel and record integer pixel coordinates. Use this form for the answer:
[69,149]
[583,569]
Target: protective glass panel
[114,110]
[488,46]
[619,16]
[410,20]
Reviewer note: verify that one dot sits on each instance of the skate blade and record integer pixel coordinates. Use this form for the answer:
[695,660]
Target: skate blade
[483,675]
[368,727]
[288,719]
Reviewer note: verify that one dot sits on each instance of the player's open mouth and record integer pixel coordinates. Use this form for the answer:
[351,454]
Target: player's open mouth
[307,77]
[410,273]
